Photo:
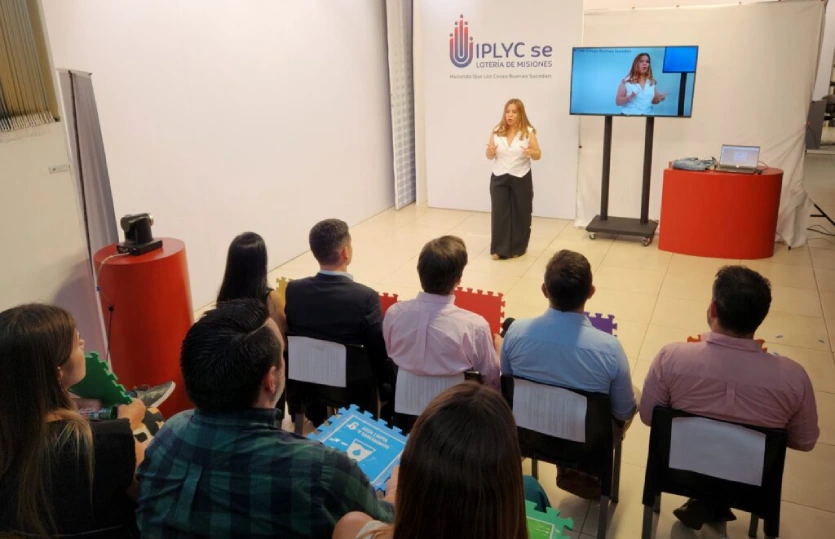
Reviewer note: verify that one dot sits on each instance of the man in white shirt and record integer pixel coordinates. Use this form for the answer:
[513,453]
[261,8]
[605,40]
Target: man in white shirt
[429,335]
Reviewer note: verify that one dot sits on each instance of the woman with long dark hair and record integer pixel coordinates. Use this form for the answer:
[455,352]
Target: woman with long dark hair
[460,475]
[246,276]
[59,473]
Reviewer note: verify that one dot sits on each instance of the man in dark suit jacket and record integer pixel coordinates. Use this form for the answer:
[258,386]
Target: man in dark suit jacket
[331,306]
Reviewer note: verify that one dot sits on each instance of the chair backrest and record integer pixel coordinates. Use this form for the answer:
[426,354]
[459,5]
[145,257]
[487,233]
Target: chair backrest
[550,410]
[563,425]
[734,464]
[316,361]
[413,392]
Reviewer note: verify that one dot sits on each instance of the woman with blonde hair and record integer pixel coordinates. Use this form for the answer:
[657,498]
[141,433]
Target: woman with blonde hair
[511,146]
[460,475]
[59,474]
[638,92]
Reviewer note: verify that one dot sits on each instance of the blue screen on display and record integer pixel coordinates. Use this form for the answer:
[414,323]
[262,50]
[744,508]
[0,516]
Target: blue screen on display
[607,81]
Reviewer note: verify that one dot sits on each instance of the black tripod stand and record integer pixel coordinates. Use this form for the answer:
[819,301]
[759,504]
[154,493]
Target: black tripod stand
[822,214]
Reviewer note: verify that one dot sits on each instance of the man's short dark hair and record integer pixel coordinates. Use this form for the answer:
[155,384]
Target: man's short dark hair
[441,264]
[568,280]
[742,297]
[226,354]
[326,240]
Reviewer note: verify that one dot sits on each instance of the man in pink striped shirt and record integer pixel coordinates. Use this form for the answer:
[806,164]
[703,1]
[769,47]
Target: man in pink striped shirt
[728,376]
[429,335]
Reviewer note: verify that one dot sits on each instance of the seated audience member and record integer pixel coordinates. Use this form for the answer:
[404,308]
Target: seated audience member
[225,469]
[728,376]
[60,475]
[332,307]
[562,348]
[460,475]
[246,276]
[430,336]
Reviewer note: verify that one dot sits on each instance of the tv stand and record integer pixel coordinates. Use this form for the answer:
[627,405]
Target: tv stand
[626,226]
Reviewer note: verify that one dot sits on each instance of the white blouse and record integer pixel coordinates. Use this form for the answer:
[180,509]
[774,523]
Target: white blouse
[509,158]
[642,102]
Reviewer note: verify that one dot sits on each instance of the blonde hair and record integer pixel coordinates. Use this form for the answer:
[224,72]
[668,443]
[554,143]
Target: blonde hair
[525,126]
[634,76]
[35,340]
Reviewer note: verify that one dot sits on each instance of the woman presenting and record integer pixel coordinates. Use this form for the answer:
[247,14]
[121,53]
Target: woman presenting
[511,147]
[638,92]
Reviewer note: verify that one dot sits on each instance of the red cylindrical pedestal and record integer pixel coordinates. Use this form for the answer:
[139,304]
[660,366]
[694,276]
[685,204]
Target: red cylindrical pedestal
[151,312]
[720,214]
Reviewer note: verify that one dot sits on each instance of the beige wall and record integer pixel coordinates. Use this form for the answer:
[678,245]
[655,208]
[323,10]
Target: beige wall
[43,243]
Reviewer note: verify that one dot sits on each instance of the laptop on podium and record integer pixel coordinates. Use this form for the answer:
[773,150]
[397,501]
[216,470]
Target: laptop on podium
[740,159]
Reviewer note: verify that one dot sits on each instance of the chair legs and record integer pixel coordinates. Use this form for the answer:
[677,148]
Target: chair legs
[752,527]
[722,528]
[616,473]
[299,424]
[603,517]
[646,529]
[535,469]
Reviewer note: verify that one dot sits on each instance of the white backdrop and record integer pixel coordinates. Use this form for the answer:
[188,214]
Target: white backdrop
[221,116]
[461,112]
[756,70]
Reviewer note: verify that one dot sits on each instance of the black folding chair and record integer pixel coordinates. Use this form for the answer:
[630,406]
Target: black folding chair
[333,374]
[549,431]
[413,392]
[745,474]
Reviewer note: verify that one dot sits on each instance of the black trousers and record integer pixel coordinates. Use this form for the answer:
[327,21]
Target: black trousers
[512,205]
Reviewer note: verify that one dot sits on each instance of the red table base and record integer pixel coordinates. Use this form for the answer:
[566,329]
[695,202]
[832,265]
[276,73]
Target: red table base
[720,214]
[151,301]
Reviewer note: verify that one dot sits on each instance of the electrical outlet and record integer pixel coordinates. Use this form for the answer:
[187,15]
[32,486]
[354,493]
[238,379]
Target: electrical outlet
[55,169]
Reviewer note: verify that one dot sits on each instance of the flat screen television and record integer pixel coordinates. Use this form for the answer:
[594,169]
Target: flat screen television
[633,81]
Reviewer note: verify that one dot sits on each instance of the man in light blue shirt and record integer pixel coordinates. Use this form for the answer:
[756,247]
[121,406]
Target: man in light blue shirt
[562,348]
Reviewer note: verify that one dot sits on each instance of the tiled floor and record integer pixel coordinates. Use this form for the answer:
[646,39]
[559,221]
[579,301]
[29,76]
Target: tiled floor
[657,297]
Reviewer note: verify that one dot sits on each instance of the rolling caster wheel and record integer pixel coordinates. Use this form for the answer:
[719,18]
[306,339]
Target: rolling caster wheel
[592,236]
[646,241]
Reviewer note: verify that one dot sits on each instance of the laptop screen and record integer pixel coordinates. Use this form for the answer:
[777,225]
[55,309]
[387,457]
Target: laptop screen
[739,156]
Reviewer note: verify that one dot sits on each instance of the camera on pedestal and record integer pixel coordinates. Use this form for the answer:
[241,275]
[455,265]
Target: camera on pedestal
[138,237]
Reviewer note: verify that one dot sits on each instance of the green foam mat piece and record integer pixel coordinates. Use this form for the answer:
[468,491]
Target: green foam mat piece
[547,525]
[100,383]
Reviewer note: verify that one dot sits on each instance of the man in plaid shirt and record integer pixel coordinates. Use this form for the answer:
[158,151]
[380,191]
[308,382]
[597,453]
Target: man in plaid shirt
[225,469]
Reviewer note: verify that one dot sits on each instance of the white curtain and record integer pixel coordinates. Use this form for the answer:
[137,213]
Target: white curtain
[399,31]
[757,66]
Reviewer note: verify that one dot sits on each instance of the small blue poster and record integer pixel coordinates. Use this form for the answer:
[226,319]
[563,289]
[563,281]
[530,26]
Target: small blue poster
[370,442]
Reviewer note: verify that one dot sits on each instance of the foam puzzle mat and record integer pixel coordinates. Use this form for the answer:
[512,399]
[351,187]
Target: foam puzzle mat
[371,443]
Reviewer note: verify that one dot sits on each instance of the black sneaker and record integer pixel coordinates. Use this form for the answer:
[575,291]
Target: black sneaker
[152,397]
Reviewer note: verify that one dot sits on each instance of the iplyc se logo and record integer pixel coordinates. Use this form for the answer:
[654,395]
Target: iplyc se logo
[461,44]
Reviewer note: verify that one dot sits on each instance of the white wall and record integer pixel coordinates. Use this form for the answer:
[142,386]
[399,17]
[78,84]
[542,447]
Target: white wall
[463,104]
[44,246]
[827,54]
[731,105]
[421,192]
[220,116]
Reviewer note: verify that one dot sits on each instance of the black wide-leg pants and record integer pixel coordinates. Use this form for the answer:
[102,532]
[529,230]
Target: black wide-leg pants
[512,205]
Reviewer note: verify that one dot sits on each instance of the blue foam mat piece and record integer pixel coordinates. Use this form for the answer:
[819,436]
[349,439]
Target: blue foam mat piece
[371,443]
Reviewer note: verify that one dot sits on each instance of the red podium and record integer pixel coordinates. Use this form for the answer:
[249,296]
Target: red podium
[151,301]
[720,214]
